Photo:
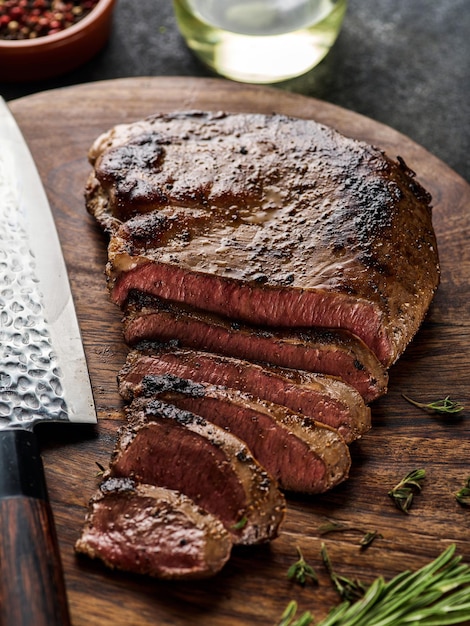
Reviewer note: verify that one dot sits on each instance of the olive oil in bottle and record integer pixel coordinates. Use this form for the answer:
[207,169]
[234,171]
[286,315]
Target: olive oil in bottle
[260,41]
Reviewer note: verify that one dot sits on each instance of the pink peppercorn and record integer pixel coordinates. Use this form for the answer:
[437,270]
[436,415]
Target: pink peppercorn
[24,19]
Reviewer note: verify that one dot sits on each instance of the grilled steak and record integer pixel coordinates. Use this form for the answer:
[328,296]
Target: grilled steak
[268,220]
[165,446]
[296,264]
[300,453]
[326,399]
[150,530]
[335,353]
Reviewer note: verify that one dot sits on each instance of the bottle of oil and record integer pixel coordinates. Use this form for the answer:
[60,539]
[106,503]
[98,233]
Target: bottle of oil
[260,41]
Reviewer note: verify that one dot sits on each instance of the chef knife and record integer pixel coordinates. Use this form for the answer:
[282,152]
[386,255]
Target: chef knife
[43,378]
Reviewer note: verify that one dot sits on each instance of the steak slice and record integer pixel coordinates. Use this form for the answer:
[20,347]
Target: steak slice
[326,399]
[301,454]
[168,447]
[149,530]
[268,220]
[335,353]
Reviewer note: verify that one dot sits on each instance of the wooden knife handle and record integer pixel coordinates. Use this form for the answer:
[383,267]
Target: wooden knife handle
[32,588]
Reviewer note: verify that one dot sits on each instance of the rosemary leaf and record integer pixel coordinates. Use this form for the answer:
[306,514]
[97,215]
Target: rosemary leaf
[332,527]
[403,493]
[445,406]
[101,470]
[301,570]
[289,614]
[463,495]
[368,538]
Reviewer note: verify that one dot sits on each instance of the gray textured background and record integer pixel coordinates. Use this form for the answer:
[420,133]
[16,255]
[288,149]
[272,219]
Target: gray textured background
[405,63]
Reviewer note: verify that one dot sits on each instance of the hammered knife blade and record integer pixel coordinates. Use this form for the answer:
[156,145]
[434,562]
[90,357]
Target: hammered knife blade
[43,378]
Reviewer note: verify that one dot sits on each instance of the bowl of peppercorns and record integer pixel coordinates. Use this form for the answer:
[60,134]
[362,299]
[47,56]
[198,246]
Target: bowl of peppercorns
[44,38]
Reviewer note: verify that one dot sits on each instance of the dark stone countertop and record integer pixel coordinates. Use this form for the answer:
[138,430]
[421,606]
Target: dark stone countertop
[405,64]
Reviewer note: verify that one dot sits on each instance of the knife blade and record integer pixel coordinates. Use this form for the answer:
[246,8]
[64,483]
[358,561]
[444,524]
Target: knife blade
[43,378]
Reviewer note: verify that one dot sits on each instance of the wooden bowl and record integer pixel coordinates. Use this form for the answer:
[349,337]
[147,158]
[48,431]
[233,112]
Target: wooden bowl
[51,55]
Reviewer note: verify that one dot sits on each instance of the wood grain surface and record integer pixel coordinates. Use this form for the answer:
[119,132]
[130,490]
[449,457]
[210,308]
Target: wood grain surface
[253,588]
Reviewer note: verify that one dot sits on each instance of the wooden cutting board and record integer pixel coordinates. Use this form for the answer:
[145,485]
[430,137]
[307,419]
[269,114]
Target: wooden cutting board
[253,588]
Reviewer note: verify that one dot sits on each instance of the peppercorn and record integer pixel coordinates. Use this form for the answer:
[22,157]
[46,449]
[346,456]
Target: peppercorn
[27,19]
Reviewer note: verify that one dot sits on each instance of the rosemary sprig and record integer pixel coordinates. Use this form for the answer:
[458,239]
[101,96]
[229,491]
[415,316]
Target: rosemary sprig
[439,406]
[436,595]
[334,527]
[403,493]
[289,614]
[301,570]
[348,589]
[463,495]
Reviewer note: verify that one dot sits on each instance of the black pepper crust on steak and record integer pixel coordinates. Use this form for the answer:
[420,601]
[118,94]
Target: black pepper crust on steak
[168,447]
[152,531]
[303,455]
[269,220]
[325,399]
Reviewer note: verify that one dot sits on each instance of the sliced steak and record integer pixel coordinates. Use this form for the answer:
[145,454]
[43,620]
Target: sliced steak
[149,530]
[172,448]
[323,398]
[335,353]
[268,220]
[300,453]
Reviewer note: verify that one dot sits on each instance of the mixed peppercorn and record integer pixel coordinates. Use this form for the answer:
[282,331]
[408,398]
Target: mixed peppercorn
[28,19]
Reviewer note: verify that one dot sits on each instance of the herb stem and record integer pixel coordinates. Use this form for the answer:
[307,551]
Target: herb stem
[438,406]
[334,527]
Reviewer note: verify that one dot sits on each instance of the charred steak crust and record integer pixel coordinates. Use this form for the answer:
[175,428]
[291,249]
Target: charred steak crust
[269,220]
[302,454]
[331,352]
[324,398]
[176,449]
[154,531]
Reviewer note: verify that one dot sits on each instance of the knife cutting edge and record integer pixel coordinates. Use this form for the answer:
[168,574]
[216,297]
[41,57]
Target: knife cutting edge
[43,378]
